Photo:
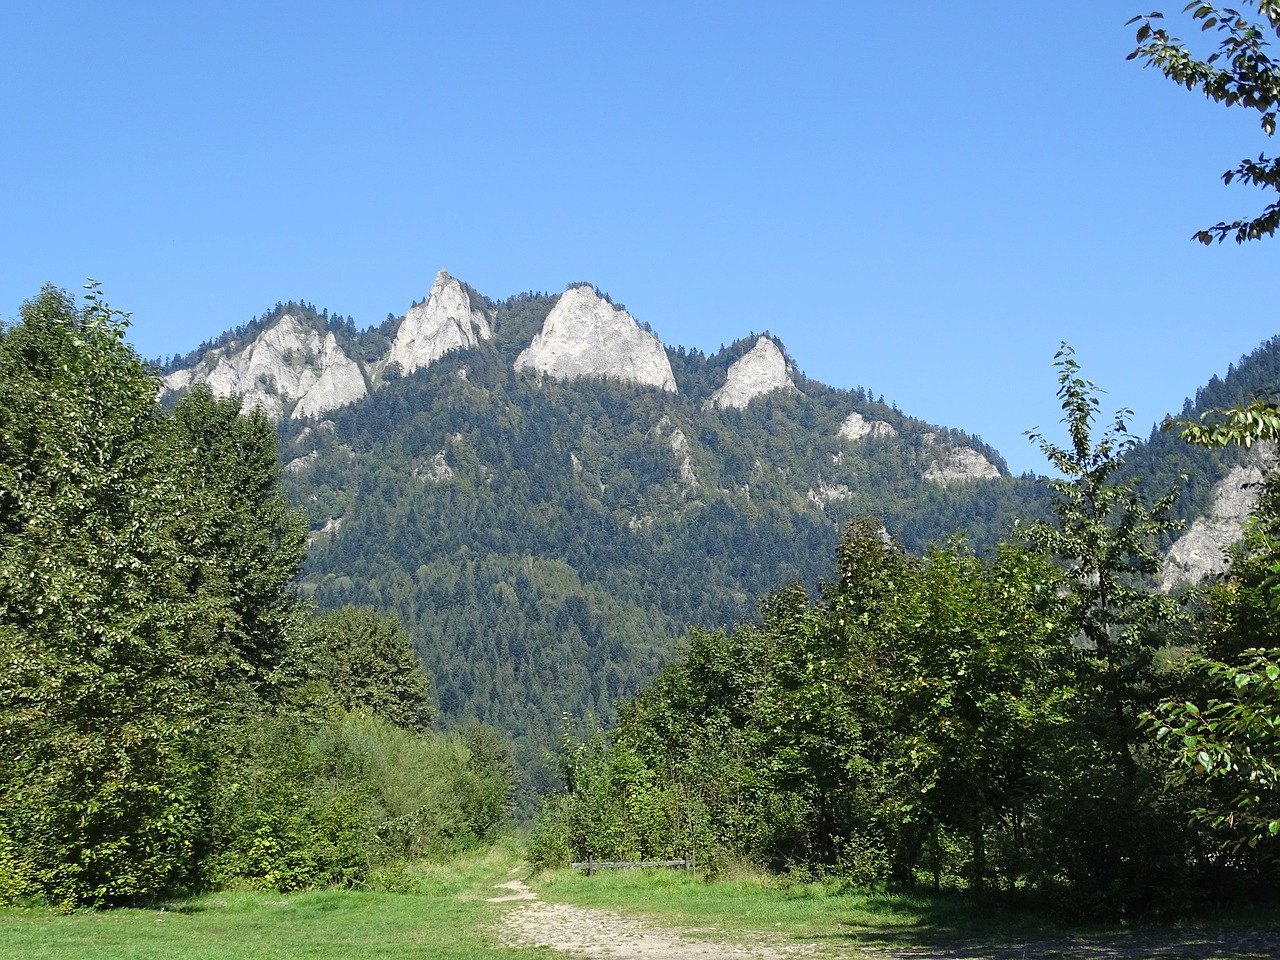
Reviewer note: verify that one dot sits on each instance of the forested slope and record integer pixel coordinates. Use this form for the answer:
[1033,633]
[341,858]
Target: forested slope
[546,541]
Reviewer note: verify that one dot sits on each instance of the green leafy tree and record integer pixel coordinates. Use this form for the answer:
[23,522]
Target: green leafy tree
[1230,739]
[244,545]
[1241,72]
[103,674]
[368,661]
[1104,538]
[145,608]
[1227,731]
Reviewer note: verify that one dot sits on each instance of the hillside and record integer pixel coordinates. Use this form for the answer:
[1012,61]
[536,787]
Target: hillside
[549,497]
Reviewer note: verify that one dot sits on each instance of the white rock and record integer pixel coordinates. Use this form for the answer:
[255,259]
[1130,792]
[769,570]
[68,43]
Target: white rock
[438,469]
[1199,551]
[856,426]
[586,336]
[961,463]
[299,464]
[287,362]
[829,493]
[444,323]
[680,450]
[760,370]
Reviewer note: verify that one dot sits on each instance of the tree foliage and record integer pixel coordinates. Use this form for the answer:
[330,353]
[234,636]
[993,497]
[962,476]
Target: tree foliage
[368,661]
[1226,729]
[976,720]
[1104,537]
[162,698]
[1240,72]
[105,664]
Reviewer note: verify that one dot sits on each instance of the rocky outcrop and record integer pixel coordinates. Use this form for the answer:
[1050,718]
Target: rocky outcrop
[959,463]
[288,364]
[445,322]
[679,445]
[586,336]
[437,468]
[680,450]
[856,426]
[1199,552]
[761,370]
[829,493]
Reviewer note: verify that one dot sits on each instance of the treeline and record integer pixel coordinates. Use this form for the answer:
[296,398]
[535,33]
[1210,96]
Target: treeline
[173,716]
[1038,721]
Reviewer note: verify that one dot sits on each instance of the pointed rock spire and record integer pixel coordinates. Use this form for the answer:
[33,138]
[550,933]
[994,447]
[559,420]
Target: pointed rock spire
[289,361]
[761,370]
[586,336]
[445,322]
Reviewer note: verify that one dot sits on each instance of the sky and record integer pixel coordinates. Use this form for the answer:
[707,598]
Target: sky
[923,200]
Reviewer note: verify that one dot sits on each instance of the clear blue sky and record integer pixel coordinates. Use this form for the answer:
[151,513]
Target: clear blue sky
[919,199]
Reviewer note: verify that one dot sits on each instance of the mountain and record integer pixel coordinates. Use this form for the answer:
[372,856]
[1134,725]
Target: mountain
[550,497]
[445,322]
[584,335]
[290,369]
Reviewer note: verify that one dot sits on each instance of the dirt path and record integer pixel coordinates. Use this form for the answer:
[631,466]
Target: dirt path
[603,935]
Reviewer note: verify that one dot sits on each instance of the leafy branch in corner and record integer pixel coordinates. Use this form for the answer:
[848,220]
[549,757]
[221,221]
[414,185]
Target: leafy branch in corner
[1239,73]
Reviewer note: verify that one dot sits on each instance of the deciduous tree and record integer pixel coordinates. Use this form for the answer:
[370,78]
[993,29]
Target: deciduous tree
[1241,72]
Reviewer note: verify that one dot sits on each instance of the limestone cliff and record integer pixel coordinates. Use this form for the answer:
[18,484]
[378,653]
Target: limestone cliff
[289,363]
[445,322]
[856,426]
[1198,552]
[761,370]
[960,463]
[586,336]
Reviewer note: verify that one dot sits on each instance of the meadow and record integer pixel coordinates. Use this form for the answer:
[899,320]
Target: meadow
[444,911]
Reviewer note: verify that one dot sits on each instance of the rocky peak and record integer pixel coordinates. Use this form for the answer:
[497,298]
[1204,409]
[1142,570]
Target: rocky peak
[760,370]
[288,363]
[445,322]
[586,336]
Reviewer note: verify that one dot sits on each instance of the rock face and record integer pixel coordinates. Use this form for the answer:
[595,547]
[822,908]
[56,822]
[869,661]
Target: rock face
[680,450]
[586,336]
[960,463]
[829,493]
[445,322]
[856,426]
[761,370]
[1198,552]
[287,363]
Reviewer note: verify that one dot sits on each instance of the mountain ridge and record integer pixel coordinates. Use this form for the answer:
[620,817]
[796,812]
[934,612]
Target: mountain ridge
[549,539]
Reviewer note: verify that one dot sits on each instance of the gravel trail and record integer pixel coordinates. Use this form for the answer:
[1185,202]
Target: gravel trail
[604,935]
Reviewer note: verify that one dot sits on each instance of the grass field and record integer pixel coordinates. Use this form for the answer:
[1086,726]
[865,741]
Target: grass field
[443,916]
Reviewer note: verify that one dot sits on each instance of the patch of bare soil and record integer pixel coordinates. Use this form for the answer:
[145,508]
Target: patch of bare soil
[584,932]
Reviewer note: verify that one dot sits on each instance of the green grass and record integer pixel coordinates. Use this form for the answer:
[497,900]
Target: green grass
[443,913]
[441,916]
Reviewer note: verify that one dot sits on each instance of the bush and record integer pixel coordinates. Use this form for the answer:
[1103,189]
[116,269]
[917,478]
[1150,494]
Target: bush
[303,805]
